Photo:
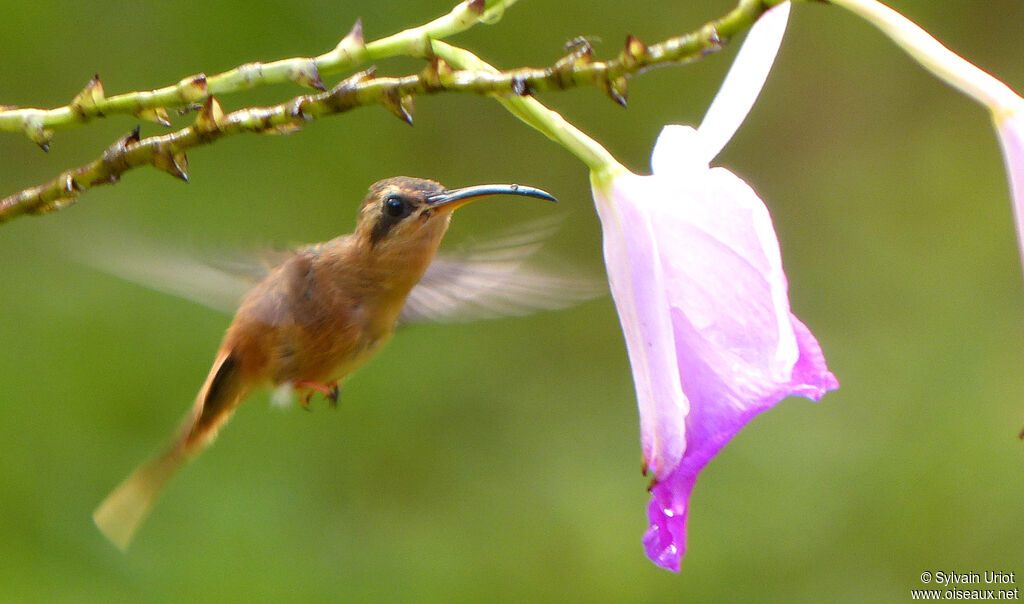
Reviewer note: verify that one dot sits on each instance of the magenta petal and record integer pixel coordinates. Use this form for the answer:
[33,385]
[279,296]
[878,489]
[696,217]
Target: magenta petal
[739,350]
[811,377]
[709,427]
[665,540]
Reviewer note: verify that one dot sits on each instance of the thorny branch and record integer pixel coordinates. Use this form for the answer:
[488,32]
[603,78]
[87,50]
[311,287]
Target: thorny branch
[167,152]
[153,105]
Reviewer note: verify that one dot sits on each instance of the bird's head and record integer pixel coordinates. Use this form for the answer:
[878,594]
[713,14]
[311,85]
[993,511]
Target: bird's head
[410,215]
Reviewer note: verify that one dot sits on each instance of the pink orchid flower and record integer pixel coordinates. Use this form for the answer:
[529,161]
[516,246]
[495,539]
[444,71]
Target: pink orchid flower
[697,279]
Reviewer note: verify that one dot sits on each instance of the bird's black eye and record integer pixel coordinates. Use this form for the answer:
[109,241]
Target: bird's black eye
[393,206]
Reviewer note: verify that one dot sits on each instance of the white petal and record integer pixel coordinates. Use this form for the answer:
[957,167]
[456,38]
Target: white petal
[744,81]
[677,150]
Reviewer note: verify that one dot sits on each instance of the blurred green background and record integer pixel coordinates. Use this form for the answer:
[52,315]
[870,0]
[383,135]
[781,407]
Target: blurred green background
[498,461]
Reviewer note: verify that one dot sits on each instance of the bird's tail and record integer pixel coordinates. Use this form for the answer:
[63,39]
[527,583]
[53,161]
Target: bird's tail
[124,509]
[127,506]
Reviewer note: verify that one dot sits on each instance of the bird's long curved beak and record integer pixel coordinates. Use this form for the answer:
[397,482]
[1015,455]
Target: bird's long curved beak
[449,200]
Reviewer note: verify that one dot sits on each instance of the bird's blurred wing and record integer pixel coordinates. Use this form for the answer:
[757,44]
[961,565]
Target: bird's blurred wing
[218,284]
[496,279]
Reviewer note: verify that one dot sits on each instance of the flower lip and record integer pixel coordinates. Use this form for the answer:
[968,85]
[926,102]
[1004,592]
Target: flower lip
[450,200]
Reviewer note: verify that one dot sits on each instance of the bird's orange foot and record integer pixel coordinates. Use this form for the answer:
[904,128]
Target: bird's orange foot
[330,392]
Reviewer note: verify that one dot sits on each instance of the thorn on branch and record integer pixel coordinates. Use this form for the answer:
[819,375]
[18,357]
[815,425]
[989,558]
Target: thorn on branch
[617,89]
[436,73]
[354,39]
[210,117]
[341,97]
[635,52]
[308,75]
[114,155]
[476,6]
[39,135]
[132,137]
[712,39]
[402,106]
[173,162]
[354,81]
[85,101]
[157,114]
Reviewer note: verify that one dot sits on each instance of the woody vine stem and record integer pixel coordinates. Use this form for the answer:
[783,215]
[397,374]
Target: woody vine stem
[449,69]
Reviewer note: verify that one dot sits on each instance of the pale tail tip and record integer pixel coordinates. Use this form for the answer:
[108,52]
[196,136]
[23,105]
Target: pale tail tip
[122,512]
[117,535]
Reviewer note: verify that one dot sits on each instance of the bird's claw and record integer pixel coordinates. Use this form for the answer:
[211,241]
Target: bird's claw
[330,392]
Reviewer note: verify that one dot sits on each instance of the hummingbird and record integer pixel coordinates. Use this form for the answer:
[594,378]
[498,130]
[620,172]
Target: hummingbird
[318,315]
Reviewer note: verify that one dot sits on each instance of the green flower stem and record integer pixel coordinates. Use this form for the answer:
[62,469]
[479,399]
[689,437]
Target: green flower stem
[534,113]
[936,58]
[39,124]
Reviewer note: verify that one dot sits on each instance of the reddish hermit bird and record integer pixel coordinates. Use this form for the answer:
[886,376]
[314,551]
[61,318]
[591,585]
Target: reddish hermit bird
[317,317]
